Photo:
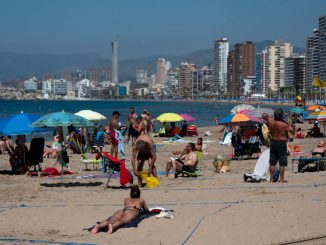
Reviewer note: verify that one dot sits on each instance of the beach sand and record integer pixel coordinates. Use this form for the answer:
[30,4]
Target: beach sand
[214,208]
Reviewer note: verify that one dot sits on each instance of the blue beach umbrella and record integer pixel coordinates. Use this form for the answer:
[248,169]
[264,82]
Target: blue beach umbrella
[20,124]
[62,119]
[297,110]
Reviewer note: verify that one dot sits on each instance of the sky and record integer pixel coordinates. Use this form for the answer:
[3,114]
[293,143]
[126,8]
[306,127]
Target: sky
[150,27]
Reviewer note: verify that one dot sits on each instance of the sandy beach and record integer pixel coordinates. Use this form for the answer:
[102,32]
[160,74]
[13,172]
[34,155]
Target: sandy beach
[214,208]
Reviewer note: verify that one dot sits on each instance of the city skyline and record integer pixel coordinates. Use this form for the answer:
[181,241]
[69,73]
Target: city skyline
[65,27]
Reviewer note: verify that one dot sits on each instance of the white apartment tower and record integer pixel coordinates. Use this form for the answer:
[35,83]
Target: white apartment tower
[276,53]
[221,50]
[115,61]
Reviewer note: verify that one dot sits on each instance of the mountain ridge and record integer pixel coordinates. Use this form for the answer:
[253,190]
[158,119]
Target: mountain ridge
[22,66]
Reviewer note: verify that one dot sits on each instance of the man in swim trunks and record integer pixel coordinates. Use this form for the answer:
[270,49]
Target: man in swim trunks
[114,125]
[143,150]
[133,124]
[186,162]
[279,130]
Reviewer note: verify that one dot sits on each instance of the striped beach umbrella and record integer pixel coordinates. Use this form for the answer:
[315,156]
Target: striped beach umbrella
[241,108]
[319,116]
[257,112]
[239,119]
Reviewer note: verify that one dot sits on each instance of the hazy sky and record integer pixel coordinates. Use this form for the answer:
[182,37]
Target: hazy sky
[148,27]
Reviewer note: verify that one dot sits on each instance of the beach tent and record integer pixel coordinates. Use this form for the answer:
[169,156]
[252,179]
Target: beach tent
[261,169]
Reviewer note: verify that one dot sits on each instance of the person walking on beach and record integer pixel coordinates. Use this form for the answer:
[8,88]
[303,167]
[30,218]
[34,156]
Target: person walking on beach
[279,130]
[113,126]
[143,150]
[132,125]
[132,207]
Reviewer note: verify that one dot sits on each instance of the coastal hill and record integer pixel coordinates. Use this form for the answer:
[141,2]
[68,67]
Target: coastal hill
[22,66]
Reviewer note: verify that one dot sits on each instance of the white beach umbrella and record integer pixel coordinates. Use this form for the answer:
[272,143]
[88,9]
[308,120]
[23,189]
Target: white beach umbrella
[91,115]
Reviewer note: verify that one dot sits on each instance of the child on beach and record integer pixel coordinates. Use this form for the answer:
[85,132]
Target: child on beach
[132,207]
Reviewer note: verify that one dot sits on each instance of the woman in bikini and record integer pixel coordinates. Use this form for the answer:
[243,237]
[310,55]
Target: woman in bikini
[132,207]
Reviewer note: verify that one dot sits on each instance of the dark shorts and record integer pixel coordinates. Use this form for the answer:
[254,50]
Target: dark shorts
[278,153]
[144,156]
[133,132]
[186,168]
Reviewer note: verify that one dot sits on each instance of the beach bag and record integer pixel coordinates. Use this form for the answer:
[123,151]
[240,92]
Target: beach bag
[221,164]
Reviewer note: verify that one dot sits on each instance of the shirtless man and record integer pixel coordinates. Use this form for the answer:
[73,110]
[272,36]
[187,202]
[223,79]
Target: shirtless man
[186,162]
[133,124]
[145,124]
[143,150]
[113,125]
[279,130]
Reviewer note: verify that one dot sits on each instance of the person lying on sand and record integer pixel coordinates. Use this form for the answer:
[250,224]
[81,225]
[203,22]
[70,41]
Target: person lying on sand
[132,207]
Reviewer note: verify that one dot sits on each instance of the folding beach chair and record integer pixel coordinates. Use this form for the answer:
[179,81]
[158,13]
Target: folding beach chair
[111,165]
[192,130]
[253,146]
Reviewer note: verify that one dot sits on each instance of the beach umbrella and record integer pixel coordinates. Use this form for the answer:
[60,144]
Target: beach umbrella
[240,108]
[239,119]
[186,117]
[316,107]
[169,117]
[319,116]
[20,124]
[91,115]
[296,110]
[257,112]
[62,119]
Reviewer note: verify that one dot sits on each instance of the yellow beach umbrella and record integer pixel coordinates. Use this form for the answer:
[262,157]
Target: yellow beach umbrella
[91,115]
[169,117]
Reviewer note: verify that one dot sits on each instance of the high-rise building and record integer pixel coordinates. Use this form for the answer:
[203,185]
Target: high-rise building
[99,74]
[115,61]
[243,66]
[295,73]
[186,80]
[141,76]
[221,50]
[322,47]
[312,59]
[160,71]
[276,53]
[230,73]
[203,80]
[264,71]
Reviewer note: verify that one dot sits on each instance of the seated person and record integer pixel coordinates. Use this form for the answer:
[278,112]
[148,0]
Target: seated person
[249,132]
[299,134]
[187,162]
[19,157]
[174,130]
[132,207]
[314,131]
[318,151]
[6,144]
[164,130]
[184,128]
[56,147]
[199,145]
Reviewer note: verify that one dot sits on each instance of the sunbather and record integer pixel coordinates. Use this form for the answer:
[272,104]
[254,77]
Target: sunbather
[186,162]
[132,207]
[317,152]
[19,157]
[53,150]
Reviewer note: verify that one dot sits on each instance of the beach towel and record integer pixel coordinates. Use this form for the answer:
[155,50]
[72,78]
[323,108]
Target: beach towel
[261,169]
[226,139]
[121,147]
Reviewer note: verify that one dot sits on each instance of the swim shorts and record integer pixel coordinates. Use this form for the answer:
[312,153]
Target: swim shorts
[278,153]
[114,141]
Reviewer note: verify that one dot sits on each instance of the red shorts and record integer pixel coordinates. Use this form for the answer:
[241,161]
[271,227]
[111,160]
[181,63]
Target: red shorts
[114,141]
